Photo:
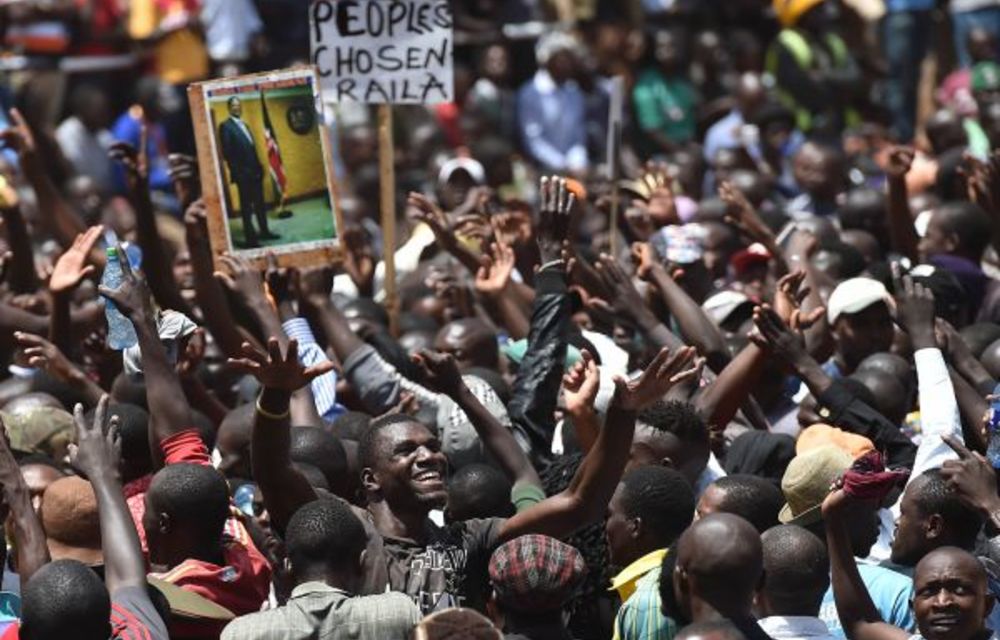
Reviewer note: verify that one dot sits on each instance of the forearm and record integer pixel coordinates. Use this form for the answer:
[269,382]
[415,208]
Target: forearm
[32,551]
[497,439]
[203,400]
[972,407]
[268,321]
[56,215]
[720,401]
[60,325]
[657,332]
[854,605]
[124,565]
[22,275]
[157,267]
[303,408]
[167,403]
[335,327]
[506,311]
[603,465]
[975,374]
[211,299]
[696,327]
[902,233]
[587,428]
[284,489]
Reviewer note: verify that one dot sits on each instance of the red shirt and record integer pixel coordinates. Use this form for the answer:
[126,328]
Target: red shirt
[243,583]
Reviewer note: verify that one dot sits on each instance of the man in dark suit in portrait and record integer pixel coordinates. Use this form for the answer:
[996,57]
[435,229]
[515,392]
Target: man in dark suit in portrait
[245,170]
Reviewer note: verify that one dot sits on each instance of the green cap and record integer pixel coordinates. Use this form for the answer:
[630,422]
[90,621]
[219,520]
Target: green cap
[111,252]
[986,76]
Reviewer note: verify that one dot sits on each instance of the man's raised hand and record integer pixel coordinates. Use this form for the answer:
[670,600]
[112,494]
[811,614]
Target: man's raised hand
[275,370]
[71,268]
[666,370]
[98,445]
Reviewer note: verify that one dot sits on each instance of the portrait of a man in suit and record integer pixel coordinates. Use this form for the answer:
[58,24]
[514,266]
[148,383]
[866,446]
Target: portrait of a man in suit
[246,172]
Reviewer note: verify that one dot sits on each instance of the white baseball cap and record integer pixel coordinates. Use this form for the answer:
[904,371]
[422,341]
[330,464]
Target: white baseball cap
[857,294]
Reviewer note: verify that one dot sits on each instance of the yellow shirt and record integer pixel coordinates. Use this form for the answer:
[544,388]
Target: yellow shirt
[624,582]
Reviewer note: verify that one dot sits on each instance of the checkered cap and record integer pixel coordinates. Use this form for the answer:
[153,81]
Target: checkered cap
[535,573]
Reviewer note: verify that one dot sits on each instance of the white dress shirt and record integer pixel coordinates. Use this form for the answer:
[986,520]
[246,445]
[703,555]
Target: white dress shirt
[795,628]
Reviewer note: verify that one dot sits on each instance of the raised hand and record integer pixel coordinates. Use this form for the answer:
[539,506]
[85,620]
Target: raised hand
[71,268]
[183,172]
[242,279]
[742,216]
[645,259]
[98,447]
[277,371]
[788,302]
[625,298]
[580,385]
[773,335]
[972,477]
[661,206]
[555,214]
[135,161]
[132,296]
[359,259]
[665,371]
[19,135]
[915,309]
[280,280]
[494,274]
[433,216]
[314,285]
[899,162]
[42,354]
[439,372]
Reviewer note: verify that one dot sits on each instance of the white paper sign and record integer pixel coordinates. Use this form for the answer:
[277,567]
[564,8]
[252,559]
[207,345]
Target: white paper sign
[383,51]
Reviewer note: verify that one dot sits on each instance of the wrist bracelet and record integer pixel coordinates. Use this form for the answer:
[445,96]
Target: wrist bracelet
[559,262]
[269,415]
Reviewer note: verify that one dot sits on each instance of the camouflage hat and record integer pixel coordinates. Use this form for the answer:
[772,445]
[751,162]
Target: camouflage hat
[39,429]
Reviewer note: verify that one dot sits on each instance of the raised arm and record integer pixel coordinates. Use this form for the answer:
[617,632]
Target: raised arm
[586,498]
[493,286]
[68,273]
[21,273]
[32,552]
[284,488]
[441,374]
[247,284]
[901,231]
[156,264]
[97,454]
[44,355]
[432,215]
[168,407]
[580,386]
[858,614]
[209,293]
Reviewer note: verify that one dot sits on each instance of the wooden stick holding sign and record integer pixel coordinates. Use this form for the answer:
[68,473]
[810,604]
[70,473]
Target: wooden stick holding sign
[384,53]
[266,182]
[613,158]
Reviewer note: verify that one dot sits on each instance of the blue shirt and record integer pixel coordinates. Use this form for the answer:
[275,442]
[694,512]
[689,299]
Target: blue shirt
[551,119]
[890,591]
[894,6]
[723,134]
[127,128]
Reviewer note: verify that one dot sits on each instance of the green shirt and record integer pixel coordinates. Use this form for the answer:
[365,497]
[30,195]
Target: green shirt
[665,104]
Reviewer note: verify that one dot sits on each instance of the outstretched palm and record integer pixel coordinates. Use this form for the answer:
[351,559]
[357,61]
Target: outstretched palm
[665,371]
[71,268]
[277,371]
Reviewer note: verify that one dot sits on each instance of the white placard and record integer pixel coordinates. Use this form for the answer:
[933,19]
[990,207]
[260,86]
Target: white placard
[383,51]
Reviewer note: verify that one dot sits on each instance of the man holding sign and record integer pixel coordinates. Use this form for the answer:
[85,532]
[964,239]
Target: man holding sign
[245,170]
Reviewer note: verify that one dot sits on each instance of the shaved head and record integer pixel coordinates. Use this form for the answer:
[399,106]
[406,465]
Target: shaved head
[951,596]
[719,565]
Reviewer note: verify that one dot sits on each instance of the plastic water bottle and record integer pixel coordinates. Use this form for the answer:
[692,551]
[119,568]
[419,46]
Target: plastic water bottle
[993,429]
[121,333]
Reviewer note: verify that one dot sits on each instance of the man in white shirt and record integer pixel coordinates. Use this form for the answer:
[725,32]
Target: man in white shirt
[796,577]
[84,137]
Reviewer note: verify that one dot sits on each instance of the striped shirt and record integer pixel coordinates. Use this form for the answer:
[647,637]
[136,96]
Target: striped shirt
[324,387]
[640,617]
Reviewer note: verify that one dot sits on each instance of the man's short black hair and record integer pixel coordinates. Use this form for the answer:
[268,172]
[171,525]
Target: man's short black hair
[969,222]
[367,454]
[676,417]
[662,498]
[65,599]
[351,425]
[133,426]
[937,496]
[796,570]
[753,498]
[322,450]
[324,533]
[479,491]
[195,496]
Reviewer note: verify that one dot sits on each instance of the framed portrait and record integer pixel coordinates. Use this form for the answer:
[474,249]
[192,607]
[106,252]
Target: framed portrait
[267,177]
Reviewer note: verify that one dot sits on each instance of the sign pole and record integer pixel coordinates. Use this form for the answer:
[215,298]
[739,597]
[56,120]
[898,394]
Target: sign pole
[613,159]
[387,205]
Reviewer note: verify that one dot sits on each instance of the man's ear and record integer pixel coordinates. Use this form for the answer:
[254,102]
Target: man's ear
[163,522]
[952,241]
[369,480]
[668,462]
[362,557]
[933,526]
[635,527]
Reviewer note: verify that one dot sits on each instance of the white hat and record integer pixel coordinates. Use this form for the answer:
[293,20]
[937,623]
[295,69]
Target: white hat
[552,42]
[468,165]
[723,304]
[857,294]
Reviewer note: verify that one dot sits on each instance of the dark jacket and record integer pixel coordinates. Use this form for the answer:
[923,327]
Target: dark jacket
[536,389]
[239,152]
[843,409]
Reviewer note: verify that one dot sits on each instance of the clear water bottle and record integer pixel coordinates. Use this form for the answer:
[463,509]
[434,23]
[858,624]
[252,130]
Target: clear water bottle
[121,333]
[993,429]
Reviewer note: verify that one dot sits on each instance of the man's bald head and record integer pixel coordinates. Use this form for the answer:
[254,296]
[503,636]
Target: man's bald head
[750,94]
[719,565]
[796,572]
[470,341]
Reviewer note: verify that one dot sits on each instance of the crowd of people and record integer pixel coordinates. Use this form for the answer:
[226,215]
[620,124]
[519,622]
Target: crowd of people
[721,369]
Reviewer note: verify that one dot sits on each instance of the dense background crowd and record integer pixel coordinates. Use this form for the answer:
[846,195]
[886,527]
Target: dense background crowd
[733,381]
